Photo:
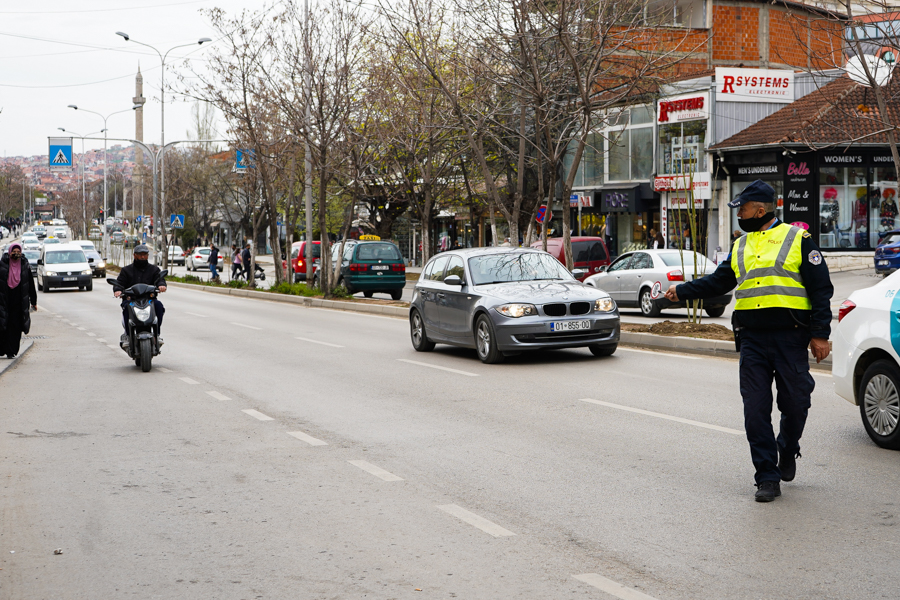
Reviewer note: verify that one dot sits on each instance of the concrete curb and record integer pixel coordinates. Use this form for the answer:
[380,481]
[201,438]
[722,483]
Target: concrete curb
[6,364]
[688,345]
[401,312]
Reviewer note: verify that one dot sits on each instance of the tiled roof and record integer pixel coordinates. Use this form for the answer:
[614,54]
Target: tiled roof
[840,113]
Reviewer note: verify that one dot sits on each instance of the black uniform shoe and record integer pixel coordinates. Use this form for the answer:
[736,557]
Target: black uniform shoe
[787,464]
[767,491]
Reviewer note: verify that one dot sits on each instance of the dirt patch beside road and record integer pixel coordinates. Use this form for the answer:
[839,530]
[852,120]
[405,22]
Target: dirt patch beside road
[695,330]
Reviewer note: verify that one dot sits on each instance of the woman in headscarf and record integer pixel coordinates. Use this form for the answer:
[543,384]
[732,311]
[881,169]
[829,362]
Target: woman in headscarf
[16,294]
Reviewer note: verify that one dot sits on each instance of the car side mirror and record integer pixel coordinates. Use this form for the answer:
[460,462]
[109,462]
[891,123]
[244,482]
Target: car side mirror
[578,273]
[90,260]
[602,269]
[453,280]
[40,261]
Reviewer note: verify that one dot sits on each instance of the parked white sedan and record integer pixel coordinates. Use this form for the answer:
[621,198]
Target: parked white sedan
[866,358]
[639,279]
[199,259]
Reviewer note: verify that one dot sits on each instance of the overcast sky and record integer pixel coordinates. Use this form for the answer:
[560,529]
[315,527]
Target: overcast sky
[68,53]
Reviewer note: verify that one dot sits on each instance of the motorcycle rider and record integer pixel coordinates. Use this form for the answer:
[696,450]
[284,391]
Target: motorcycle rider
[140,271]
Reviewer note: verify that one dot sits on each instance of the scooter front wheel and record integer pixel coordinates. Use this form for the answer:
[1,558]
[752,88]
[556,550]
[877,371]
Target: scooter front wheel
[146,355]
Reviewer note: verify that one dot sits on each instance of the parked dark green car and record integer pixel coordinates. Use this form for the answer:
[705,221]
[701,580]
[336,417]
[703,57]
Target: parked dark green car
[372,267]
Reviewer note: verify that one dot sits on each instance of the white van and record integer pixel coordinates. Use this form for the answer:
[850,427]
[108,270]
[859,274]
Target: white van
[62,266]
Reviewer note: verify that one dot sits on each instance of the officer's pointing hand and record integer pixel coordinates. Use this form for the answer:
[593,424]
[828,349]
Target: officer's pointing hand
[820,348]
[671,295]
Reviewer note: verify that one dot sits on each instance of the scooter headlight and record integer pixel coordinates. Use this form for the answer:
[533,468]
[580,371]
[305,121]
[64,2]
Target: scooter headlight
[142,313]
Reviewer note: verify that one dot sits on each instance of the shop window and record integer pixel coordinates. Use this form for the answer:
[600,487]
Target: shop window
[592,162]
[682,148]
[738,186]
[618,155]
[857,205]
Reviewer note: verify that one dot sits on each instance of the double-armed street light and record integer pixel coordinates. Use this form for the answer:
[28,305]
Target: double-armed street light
[105,166]
[83,196]
[162,100]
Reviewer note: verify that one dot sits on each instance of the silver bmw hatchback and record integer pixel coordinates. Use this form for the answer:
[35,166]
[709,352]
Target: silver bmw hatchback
[503,301]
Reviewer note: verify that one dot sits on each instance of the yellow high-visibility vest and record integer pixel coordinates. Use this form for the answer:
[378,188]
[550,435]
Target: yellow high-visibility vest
[767,267]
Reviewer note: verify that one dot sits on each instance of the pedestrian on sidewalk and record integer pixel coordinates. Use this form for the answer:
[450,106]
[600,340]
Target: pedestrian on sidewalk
[236,268]
[213,262]
[17,293]
[246,259]
[782,306]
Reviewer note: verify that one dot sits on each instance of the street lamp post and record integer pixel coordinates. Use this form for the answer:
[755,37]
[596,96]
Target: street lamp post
[162,101]
[105,168]
[155,158]
[83,195]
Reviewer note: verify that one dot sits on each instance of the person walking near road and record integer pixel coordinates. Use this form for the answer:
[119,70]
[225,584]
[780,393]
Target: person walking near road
[213,262]
[17,293]
[236,268]
[246,259]
[782,306]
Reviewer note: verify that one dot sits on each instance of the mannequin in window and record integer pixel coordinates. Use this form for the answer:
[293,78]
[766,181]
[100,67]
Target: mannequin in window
[860,215]
[830,211]
[888,210]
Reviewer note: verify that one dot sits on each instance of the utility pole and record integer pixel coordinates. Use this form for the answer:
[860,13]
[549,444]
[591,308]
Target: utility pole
[307,161]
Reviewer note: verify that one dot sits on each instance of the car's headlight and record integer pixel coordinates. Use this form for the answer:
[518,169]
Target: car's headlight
[50,273]
[86,272]
[604,305]
[102,264]
[517,310]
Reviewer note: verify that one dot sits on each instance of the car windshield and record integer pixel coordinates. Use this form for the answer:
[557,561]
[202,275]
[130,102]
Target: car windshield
[51,241]
[516,266]
[891,238]
[32,255]
[674,259]
[65,257]
[87,246]
[378,252]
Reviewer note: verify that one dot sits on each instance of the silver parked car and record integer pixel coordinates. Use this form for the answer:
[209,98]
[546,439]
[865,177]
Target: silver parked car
[639,279]
[505,300]
[199,259]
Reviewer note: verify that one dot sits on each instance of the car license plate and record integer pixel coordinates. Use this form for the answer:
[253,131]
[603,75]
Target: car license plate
[70,279]
[379,267]
[884,262]
[570,325]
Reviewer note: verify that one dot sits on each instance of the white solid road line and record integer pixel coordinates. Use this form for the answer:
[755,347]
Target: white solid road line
[476,521]
[307,438]
[662,416]
[163,370]
[318,342]
[257,415]
[612,588]
[248,326]
[421,364]
[188,380]
[195,315]
[376,471]
[676,355]
[218,395]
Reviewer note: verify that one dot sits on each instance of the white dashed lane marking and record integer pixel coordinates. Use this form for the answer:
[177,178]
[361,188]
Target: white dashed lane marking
[248,326]
[307,438]
[92,334]
[449,370]
[318,342]
[218,395]
[195,315]
[376,471]
[163,370]
[82,329]
[257,415]
[101,340]
[662,416]
[111,346]
[612,588]
[188,380]
[474,520]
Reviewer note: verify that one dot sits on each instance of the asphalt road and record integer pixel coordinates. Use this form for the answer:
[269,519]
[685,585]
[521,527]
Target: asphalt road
[282,452]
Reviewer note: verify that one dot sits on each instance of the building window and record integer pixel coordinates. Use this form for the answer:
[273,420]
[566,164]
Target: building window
[682,148]
[630,144]
[857,205]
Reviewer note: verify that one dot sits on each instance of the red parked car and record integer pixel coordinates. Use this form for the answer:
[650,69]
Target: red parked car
[298,259]
[588,253]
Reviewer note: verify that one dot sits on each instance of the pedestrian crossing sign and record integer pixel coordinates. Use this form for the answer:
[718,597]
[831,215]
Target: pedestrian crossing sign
[176,221]
[243,160]
[60,154]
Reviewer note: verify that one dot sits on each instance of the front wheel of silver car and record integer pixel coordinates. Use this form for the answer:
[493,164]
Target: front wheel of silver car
[417,334]
[486,341]
[879,403]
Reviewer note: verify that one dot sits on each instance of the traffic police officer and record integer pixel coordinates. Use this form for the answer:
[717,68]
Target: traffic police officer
[782,306]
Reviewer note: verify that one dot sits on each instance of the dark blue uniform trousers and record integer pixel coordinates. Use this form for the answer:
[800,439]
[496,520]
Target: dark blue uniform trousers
[782,355]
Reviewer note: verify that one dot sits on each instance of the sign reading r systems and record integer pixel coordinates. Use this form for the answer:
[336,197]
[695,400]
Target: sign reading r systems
[691,107]
[754,85]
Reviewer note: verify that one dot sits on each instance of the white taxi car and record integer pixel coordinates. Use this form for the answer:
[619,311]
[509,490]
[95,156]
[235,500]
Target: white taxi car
[866,358]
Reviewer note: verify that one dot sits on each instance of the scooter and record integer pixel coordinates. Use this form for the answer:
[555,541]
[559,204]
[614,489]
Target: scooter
[142,325]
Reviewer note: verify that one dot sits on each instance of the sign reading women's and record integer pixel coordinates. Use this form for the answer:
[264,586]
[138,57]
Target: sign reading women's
[60,154]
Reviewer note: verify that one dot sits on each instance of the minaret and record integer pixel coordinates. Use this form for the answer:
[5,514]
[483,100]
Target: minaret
[139,100]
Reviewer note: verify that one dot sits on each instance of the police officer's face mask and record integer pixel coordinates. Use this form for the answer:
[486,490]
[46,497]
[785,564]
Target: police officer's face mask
[755,223]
